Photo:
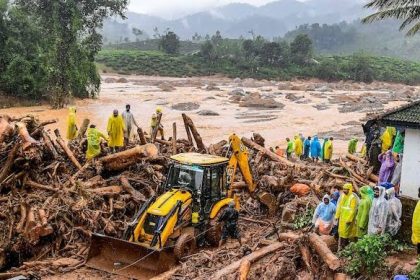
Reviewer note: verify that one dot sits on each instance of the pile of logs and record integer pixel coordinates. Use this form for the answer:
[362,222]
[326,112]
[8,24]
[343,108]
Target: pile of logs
[52,200]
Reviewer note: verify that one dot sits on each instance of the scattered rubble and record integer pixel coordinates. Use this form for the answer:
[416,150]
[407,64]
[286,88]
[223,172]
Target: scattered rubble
[255,100]
[186,106]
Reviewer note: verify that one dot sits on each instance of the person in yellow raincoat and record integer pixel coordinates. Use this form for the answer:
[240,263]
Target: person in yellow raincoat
[93,142]
[387,138]
[71,124]
[362,218]
[116,129]
[153,123]
[415,236]
[328,150]
[298,146]
[346,215]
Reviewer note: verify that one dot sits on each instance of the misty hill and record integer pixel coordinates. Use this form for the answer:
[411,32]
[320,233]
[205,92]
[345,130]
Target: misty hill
[237,19]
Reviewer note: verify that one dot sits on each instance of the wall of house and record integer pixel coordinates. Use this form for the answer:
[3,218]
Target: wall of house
[410,176]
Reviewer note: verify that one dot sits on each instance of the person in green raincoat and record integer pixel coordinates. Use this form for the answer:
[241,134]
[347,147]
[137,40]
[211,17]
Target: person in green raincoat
[352,146]
[93,142]
[289,149]
[71,124]
[398,147]
[362,218]
[346,215]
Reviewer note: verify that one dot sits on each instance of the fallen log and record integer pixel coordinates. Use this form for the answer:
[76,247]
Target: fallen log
[289,236]
[5,171]
[137,196]
[306,257]
[106,191]
[122,160]
[49,144]
[324,252]
[22,221]
[358,178]
[83,128]
[253,257]
[28,141]
[354,158]
[244,269]
[141,136]
[216,149]
[187,129]
[35,185]
[66,149]
[251,144]
[198,140]
[6,129]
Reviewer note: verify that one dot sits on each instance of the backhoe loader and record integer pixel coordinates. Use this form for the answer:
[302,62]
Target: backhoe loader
[168,228]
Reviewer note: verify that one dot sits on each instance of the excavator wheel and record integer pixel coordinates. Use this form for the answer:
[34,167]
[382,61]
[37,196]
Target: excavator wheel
[184,246]
[214,233]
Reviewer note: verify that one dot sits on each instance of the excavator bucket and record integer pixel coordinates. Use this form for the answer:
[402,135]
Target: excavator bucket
[126,258]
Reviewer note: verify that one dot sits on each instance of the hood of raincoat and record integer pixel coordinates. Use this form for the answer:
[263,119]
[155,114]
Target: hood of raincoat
[364,192]
[349,187]
[316,138]
[326,197]
[72,110]
[390,193]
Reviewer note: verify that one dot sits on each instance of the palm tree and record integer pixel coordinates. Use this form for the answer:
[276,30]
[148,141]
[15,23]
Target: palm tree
[408,11]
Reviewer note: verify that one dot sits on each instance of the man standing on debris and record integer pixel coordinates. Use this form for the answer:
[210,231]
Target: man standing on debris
[415,236]
[393,221]
[116,129]
[154,123]
[71,124]
[323,218]
[298,146]
[289,149]
[328,150]
[93,142]
[378,212]
[230,218]
[375,151]
[306,147]
[362,218]
[346,215]
[315,149]
[323,148]
[128,122]
[352,146]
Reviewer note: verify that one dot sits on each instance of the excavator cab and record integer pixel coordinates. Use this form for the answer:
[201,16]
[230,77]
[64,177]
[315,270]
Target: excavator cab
[167,228]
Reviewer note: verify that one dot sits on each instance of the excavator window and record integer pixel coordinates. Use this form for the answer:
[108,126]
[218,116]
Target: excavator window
[185,176]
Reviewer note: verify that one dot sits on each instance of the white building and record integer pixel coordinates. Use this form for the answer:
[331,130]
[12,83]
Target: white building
[407,117]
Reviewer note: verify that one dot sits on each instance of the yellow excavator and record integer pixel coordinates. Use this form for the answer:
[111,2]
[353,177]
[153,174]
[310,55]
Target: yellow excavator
[168,228]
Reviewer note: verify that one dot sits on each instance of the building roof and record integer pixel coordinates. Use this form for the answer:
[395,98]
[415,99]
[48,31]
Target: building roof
[198,159]
[404,116]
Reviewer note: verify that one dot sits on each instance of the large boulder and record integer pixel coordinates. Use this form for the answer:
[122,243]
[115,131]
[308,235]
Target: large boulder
[186,106]
[255,100]
[207,113]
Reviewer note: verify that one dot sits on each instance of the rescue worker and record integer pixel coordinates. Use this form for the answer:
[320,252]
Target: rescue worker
[323,148]
[398,147]
[289,149]
[315,149]
[387,138]
[323,218]
[153,123]
[230,218]
[306,147]
[362,218]
[116,129]
[393,221]
[298,146]
[71,124]
[129,121]
[93,142]
[387,167]
[351,149]
[374,152]
[328,150]
[396,175]
[346,215]
[415,227]
[378,212]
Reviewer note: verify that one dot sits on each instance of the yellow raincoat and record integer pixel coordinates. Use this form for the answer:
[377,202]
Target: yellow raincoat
[71,124]
[94,143]
[346,213]
[298,146]
[387,138]
[328,151]
[116,130]
[415,237]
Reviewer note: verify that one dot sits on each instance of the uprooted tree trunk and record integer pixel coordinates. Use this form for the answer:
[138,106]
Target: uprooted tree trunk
[5,171]
[6,129]
[66,149]
[324,252]
[122,160]
[83,128]
[198,140]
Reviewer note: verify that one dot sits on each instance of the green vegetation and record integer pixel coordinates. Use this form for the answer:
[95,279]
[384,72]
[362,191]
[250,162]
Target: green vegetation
[48,48]
[367,256]
[415,275]
[304,219]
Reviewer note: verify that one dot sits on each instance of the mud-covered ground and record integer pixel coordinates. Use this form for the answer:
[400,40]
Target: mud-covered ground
[220,106]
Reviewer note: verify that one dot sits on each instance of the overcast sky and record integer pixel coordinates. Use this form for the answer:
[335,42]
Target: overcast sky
[177,8]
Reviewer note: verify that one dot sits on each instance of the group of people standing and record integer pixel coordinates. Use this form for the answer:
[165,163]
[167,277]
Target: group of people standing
[376,211]
[120,128]
[309,148]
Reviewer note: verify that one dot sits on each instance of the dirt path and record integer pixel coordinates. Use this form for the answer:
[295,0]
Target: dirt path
[310,107]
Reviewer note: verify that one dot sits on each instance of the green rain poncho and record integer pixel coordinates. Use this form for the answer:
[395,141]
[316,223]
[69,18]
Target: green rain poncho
[352,146]
[398,143]
[346,213]
[94,143]
[362,218]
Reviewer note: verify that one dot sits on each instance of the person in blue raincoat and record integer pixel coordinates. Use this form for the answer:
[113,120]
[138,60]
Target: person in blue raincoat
[306,147]
[315,149]
[323,218]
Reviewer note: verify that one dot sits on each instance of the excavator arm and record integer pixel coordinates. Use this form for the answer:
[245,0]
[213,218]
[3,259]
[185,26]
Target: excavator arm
[239,159]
